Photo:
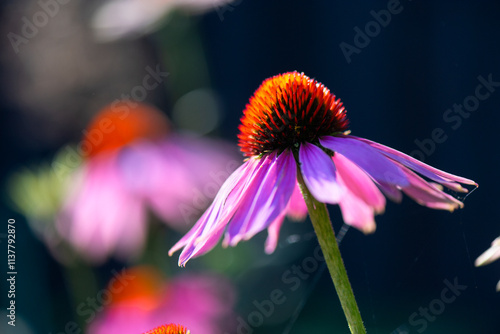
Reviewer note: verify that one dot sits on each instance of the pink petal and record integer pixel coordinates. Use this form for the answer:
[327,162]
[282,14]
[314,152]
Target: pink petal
[360,184]
[273,233]
[319,174]
[429,195]
[355,211]
[297,208]
[379,167]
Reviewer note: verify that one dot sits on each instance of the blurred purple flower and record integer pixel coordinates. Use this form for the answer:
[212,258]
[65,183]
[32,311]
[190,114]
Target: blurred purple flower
[294,126]
[201,302]
[132,163]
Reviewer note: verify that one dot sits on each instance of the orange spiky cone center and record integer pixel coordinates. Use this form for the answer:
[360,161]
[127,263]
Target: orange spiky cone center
[286,110]
[169,329]
[120,124]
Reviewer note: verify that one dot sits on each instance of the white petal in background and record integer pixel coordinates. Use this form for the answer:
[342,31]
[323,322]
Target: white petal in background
[117,19]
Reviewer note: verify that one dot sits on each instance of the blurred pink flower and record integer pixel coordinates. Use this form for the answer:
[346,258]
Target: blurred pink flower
[294,127]
[117,19]
[201,302]
[133,163]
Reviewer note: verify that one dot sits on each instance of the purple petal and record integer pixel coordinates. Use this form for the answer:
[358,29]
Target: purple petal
[200,239]
[374,163]
[319,173]
[265,200]
[420,167]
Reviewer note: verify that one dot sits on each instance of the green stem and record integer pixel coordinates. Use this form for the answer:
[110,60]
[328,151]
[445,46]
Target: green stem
[326,237]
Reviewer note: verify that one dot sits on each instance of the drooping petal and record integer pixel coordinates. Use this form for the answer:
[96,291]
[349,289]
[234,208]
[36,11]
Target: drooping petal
[297,208]
[265,200]
[432,173]
[429,195]
[379,167]
[355,211]
[273,233]
[210,227]
[227,199]
[319,174]
[359,183]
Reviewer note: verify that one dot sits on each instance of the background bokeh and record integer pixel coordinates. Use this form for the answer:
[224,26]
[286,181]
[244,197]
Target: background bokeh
[397,89]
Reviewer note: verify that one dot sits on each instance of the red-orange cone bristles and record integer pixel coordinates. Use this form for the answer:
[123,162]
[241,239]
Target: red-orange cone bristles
[169,329]
[121,123]
[289,109]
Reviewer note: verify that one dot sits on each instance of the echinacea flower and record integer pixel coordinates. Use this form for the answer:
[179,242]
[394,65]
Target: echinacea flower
[117,19]
[294,126]
[132,162]
[169,329]
[201,302]
[490,255]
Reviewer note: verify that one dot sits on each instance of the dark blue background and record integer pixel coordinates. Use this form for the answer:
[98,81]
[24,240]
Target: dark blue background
[396,91]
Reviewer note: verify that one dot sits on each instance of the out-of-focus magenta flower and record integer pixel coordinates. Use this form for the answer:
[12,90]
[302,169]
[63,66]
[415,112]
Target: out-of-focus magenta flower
[131,163]
[201,302]
[294,127]
[117,19]
[490,255]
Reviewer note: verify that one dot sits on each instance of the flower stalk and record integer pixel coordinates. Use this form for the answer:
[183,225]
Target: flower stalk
[326,237]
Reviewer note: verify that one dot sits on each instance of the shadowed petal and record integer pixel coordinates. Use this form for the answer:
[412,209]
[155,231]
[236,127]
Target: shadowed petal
[378,166]
[391,191]
[319,174]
